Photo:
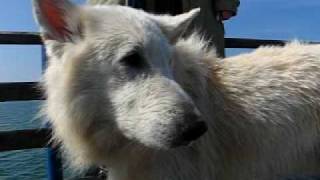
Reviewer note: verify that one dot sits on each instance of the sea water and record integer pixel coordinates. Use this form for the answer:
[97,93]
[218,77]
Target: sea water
[22,164]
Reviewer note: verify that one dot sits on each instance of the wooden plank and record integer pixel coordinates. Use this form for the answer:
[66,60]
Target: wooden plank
[25,38]
[24,139]
[19,91]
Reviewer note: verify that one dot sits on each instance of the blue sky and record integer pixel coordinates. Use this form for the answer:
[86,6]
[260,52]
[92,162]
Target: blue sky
[265,19]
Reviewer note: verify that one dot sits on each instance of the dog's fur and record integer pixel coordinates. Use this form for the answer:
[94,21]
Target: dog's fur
[262,108]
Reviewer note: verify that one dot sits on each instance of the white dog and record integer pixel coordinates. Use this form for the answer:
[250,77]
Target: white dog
[125,91]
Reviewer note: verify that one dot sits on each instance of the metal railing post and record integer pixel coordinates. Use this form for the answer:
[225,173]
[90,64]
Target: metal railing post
[54,165]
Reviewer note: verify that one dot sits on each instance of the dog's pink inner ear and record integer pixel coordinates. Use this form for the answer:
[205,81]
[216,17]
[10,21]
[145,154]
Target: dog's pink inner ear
[59,19]
[54,16]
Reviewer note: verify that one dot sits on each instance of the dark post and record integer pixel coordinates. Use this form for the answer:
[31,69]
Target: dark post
[54,164]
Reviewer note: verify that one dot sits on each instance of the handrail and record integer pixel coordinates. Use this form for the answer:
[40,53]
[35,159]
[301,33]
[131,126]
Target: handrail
[20,91]
[24,139]
[22,38]
[33,38]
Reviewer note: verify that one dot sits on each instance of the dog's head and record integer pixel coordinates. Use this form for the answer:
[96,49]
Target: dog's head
[111,70]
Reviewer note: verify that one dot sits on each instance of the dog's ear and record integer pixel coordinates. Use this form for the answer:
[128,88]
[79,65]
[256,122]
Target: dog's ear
[59,20]
[174,26]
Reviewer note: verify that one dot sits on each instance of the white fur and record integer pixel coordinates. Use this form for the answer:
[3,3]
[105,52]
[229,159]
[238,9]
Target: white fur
[262,108]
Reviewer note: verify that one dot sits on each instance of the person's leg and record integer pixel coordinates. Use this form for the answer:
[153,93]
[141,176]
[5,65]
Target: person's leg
[163,6]
[207,23]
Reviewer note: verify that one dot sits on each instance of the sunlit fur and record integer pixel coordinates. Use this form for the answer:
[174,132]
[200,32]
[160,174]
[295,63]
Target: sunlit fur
[262,108]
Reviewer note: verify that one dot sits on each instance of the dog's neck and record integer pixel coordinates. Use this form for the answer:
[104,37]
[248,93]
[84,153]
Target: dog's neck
[126,166]
[157,164]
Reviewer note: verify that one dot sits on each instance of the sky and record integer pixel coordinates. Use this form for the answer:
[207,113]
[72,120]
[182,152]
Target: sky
[264,19]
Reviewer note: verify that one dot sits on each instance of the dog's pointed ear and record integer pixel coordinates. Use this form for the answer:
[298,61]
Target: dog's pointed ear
[59,19]
[174,26]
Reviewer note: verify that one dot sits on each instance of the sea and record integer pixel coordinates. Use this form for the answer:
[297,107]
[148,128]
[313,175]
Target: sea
[22,164]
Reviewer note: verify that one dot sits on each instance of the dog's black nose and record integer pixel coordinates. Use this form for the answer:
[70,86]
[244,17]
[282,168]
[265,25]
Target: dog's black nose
[194,131]
[190,133]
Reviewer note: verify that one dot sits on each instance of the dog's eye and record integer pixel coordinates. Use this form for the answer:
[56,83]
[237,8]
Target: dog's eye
[133,60]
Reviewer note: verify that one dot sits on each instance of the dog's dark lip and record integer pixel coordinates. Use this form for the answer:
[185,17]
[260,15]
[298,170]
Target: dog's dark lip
[176,145]
[184,143]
